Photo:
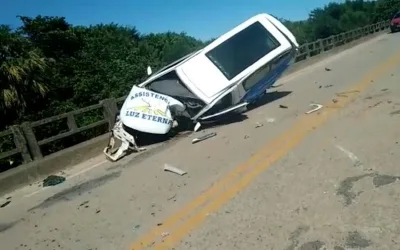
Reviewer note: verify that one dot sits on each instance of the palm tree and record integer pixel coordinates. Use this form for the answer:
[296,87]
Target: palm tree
[21,70]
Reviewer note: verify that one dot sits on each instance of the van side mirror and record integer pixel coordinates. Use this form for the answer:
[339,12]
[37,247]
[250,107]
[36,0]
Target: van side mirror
[149,71]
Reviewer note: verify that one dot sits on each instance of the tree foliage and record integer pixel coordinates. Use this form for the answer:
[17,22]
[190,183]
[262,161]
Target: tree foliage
[48,66]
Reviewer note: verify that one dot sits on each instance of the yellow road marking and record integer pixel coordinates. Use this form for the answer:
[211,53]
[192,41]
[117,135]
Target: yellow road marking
[269,154]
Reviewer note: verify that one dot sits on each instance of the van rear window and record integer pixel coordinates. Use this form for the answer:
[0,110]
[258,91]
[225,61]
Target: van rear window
[242,50]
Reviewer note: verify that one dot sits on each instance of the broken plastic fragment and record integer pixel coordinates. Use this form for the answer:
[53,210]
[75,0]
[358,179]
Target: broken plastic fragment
[204,137]
[271,120]
[198,125]
[317,107]
[258,125]
[174,169]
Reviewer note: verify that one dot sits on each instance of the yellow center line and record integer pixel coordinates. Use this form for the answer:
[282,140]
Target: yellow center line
[272,152]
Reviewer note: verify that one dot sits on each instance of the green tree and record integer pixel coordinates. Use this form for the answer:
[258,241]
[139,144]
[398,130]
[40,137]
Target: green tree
[21,71]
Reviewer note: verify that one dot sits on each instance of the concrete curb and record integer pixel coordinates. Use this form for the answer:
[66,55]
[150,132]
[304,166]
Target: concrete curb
[34,171]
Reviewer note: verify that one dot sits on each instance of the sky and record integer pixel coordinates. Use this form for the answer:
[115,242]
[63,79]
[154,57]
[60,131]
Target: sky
[203,19]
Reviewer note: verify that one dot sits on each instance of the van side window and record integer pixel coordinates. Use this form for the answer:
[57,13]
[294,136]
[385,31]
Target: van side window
[256,76]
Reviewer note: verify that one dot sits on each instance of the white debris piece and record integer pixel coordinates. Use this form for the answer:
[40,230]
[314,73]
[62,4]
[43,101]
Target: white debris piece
[197,127]
[174,169]
[204,137]
[317,107]
[271,120]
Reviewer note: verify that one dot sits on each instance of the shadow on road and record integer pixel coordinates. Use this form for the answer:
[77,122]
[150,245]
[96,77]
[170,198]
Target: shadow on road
[268,98]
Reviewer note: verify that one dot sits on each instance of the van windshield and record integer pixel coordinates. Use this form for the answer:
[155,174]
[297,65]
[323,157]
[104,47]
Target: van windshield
[242,50]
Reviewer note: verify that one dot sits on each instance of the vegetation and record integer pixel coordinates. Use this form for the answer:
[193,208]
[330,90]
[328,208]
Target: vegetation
[48,66]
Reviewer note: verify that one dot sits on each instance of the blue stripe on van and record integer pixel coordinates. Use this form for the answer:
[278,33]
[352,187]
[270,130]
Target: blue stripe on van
[261,86]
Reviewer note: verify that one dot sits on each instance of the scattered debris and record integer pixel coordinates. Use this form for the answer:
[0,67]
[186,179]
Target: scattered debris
[283,106]
[53,180]
[164,234]
[397,112]
[317,107]
[197,127]
[352,156]
[327,69]
[174,169]
[258,125]
[376,104]
[84,203]
[204,137]
[343,94]
[277,86]
[172,197]
[5,204]
[271,120]
[328,86]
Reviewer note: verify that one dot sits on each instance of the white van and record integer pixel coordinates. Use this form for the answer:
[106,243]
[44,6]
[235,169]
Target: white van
[224,77]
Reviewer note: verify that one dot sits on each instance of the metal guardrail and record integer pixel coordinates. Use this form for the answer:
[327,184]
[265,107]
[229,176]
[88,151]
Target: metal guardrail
[26,143]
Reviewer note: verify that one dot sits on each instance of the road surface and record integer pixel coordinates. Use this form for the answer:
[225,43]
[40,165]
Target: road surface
[276,179]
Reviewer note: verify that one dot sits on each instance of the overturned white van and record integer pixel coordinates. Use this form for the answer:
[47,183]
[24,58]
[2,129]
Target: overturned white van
[223,78]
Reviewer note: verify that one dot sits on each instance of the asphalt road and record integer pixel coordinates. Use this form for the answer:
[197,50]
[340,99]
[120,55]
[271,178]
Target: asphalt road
[276,179]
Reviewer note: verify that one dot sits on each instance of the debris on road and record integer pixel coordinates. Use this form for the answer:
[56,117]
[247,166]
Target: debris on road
[204,137]
[172,197]
[164,234]
[174,169]
[317,107]
[353,157]
[283,106]
[327,69]
[344,94]
[53,180]
[5,204]
[277,86]
[259,124]
[197,127]
[271,120]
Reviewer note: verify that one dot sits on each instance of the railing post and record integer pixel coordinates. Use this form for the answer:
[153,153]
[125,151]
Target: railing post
[110,110]
[321,45]
[72,123]
[33,144]
[307,46]
[21,143]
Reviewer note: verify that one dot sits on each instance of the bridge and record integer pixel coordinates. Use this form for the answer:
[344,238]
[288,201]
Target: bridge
[278,178]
